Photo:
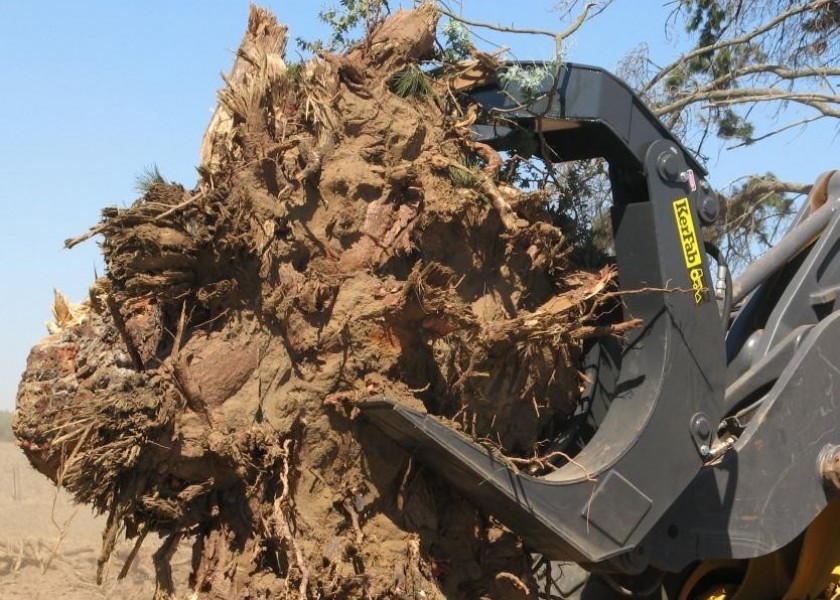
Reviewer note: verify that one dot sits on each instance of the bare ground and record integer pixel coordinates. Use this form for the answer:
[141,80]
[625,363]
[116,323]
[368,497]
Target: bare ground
[49,546]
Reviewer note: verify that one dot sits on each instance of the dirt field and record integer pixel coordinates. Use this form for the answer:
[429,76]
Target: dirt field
[40,557]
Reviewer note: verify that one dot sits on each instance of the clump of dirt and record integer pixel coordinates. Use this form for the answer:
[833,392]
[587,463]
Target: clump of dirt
[344,241]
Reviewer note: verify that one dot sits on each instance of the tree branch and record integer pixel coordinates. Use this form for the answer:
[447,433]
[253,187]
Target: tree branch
[762,188]
[779,71]
[557,36]
[753,140]
[725,97]
[484,25]
[732,42]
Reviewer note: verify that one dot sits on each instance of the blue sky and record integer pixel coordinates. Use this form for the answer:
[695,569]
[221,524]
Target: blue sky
[92,92]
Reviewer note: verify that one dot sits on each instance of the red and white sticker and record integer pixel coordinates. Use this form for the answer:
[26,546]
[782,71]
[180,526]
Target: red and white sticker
[692,183]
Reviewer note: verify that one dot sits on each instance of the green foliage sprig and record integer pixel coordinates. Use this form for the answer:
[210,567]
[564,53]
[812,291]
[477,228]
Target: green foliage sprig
[347,22]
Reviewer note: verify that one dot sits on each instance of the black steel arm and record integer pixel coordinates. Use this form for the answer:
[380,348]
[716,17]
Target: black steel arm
[585,112]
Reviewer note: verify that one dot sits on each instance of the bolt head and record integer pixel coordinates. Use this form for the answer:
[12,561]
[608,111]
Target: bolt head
[669,165]
[828,462]
[701,426]
[709,209]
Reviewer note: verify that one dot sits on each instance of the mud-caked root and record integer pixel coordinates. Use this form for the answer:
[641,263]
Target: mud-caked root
[344,240]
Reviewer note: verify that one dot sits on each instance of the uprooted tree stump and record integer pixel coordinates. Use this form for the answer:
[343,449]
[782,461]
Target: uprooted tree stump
[341,243]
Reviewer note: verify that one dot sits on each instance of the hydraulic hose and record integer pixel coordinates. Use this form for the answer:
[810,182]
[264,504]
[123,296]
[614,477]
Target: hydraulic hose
[793,242]
[723,286]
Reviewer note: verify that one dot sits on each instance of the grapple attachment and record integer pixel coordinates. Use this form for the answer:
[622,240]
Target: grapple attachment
[661,390]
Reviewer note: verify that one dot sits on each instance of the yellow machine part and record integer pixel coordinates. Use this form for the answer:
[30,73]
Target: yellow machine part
[810,571]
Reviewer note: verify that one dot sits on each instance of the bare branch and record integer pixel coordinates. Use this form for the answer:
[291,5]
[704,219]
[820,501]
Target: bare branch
[555,35]
[753,140]
[726,97]
[484,25]
[783,73]
[580,20]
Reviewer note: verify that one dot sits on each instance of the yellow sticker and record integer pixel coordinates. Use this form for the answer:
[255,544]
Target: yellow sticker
[688,233]
[691,247]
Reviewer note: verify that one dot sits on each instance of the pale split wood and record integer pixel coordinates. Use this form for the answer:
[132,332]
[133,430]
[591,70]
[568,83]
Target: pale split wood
[260,57]
[65,313]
